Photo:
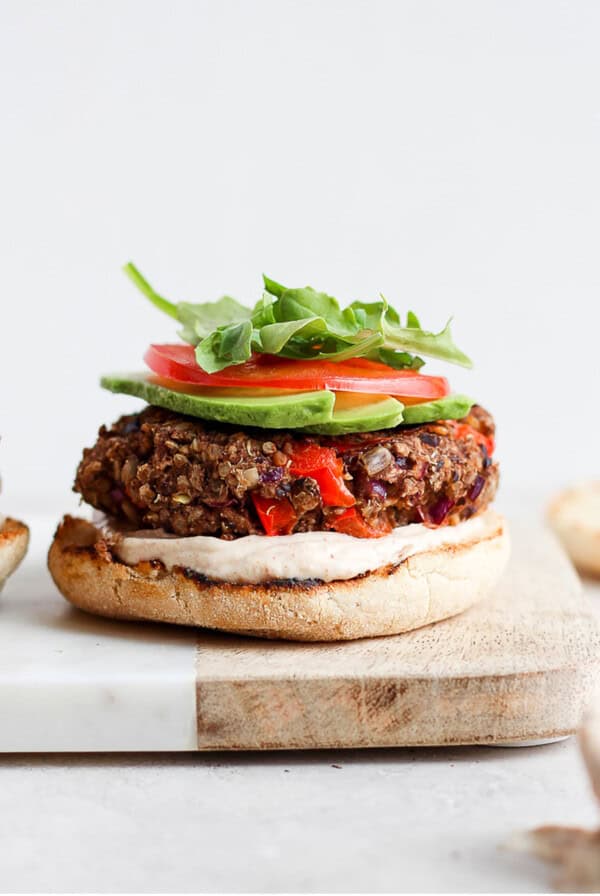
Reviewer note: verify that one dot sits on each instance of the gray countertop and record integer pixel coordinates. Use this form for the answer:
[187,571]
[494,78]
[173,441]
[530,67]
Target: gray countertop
[404,820]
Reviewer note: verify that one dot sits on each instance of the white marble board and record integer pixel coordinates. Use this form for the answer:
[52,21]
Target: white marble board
[519,667]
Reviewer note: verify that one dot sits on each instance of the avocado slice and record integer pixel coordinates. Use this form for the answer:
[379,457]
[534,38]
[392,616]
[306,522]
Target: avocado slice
[321,412]
[452,407]
[372,412]
[292,410]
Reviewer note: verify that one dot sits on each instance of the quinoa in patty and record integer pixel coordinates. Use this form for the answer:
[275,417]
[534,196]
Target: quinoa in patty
[161,470]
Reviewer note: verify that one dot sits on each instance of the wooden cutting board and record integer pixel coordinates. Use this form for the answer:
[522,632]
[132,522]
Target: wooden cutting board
[519,667]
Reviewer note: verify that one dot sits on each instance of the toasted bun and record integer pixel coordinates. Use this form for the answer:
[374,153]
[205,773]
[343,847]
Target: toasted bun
[424,588]
[575,517]
[14,538]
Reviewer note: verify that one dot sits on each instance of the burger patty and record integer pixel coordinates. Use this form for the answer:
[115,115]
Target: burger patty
[162,470]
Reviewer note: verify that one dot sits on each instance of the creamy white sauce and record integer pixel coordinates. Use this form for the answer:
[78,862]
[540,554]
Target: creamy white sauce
[328,556]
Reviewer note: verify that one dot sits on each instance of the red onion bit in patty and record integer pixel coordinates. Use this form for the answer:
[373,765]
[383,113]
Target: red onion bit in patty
[273,474]
[440,510]
[376,489]
[476,488]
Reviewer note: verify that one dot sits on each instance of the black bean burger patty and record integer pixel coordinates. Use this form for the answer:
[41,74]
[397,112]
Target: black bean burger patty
[161,470]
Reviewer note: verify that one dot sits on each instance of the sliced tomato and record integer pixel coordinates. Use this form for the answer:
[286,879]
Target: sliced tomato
[178,362]
[327,469]
[350,522]
[277,515]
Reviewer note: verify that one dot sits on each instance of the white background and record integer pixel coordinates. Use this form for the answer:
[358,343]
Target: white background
[445,153]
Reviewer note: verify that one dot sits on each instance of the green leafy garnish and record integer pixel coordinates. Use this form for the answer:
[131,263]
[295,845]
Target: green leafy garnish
[199,320]
[303,324]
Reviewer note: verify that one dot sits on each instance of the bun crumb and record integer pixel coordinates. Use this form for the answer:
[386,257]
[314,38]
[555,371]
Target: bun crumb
[574,515]
[14,538]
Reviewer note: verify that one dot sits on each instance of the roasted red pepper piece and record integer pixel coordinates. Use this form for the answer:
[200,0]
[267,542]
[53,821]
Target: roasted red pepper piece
[464,430]
[327,469]
[277,515]
[350,522]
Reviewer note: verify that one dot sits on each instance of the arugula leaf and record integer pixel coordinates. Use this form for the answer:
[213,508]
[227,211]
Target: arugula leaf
[143,285]
[225,346]
[276,289]
[274,337]
[263,311]
[434,345]
[399,360]
[302,324]
[297,304]
[199,320]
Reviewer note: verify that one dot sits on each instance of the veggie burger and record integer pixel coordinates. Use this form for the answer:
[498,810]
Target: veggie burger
[294,475]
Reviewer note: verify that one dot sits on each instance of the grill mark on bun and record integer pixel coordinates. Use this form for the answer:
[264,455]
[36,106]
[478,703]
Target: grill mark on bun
[429,587]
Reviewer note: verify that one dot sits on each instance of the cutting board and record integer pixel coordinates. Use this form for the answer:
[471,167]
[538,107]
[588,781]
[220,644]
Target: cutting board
[519,667]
